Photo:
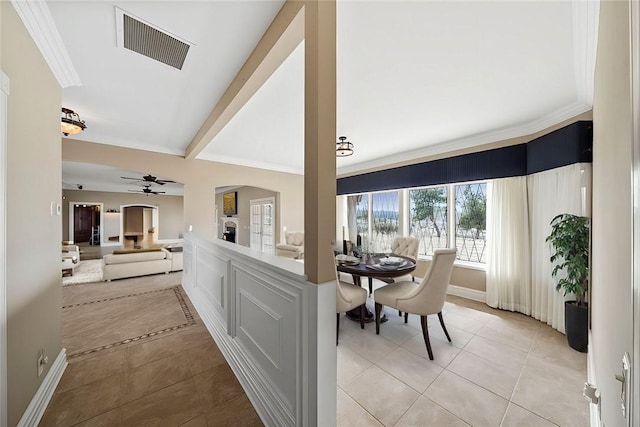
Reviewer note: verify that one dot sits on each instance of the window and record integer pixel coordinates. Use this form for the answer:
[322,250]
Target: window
[428,220]
[385,208]
[362,217]
[471,221]
[441,217]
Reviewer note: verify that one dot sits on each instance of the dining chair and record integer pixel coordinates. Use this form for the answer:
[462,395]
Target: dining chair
[348,297]
[405,246]
[424,298]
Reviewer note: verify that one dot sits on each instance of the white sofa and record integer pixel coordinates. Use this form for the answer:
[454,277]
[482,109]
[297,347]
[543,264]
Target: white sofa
[132,263]
[294,246]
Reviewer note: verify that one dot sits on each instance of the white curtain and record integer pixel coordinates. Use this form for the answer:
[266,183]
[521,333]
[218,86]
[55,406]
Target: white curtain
[562,190]
[352,223]
[508,256]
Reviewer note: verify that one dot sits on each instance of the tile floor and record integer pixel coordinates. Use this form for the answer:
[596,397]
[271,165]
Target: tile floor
[175,378]
[502,369]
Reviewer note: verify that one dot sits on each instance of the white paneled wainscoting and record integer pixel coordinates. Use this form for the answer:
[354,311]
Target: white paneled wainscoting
[276,330]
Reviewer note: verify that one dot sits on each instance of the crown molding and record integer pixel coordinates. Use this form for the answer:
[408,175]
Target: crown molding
[585,43]
[529,128]
[37,18]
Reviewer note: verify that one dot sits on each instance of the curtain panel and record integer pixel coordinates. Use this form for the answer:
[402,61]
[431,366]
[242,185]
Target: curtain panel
[509,259]
[520,212]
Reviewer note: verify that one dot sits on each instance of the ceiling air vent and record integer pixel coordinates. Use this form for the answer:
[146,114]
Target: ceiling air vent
[150,41]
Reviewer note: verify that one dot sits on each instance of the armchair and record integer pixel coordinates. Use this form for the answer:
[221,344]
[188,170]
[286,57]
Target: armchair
[294,246]
[424,298]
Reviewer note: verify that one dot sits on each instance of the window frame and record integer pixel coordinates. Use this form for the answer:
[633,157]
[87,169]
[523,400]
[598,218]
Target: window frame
[404,216]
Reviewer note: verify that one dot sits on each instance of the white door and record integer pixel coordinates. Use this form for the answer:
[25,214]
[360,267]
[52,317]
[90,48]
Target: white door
[262,225]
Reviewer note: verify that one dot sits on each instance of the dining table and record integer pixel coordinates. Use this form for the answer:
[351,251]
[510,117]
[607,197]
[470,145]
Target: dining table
[374,266]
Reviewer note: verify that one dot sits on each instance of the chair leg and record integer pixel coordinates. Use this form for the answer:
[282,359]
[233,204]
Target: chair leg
[399,313]
[362,314]
[378,310]
[425,334]
[444,328]
[406,317]
[337,326]
[370,285]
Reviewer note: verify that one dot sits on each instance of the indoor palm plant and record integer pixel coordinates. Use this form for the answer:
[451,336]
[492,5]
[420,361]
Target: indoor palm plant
[570,254]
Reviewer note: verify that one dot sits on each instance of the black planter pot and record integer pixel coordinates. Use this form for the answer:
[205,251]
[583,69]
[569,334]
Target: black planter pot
[576,324]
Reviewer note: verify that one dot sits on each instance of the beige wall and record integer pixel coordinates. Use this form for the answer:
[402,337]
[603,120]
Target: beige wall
[170,211]
[472,278]
[200,178]
[611,301]
[245,195]
[34,291]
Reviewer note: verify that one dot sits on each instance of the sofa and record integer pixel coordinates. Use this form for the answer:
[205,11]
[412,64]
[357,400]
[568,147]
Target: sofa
[294,246]
[140,262]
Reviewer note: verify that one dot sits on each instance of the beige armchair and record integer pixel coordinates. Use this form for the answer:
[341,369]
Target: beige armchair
[348,297]
[405,246]
[423,298]
[294,246]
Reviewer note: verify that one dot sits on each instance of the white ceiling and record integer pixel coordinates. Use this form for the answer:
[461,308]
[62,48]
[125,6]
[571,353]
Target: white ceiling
[414,78]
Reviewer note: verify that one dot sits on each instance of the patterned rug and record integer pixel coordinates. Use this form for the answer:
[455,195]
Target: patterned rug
[87,271]
[105,323]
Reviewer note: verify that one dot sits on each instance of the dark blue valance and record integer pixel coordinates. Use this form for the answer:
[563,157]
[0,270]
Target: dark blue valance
[569,145]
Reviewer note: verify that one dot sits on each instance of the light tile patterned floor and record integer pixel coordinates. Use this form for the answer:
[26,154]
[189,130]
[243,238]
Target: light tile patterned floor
[178,377]
[502,369]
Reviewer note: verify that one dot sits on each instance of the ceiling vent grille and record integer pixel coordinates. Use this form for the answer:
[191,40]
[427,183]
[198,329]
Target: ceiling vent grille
[147,40]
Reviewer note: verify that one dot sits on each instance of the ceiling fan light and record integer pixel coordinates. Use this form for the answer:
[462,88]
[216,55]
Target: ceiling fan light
[70,122]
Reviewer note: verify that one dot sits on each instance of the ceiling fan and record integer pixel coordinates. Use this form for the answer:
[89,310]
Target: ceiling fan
[147,190]
[151,179]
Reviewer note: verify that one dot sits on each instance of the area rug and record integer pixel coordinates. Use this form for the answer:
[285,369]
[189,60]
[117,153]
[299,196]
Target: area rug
[87,271]
[92,326]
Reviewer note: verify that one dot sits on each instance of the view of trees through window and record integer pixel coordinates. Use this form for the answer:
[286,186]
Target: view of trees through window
[428,219]
[471,222]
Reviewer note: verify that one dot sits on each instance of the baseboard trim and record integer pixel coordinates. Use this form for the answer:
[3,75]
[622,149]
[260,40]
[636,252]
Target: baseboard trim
[467,293]
[38,405]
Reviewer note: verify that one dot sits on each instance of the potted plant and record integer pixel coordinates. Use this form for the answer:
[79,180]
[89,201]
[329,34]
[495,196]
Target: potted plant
[570,253]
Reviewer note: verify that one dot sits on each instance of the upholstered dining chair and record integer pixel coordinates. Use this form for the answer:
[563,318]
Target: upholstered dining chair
[405,246]
[424,298]
[348,297]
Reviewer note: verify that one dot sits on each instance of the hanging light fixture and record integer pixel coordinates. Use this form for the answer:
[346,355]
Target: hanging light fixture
[71,123]
[344,148]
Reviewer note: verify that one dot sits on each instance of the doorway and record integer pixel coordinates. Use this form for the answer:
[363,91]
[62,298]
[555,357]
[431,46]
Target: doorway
[139,225]
[85,222]
[263,237]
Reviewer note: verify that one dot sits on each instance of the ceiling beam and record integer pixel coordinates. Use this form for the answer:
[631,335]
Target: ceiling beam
[284,34]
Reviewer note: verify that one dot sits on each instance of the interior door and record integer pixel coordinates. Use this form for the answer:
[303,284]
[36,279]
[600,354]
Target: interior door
[263,225]
[83,221]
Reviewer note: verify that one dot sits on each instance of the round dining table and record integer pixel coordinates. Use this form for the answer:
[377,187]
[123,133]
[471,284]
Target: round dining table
[370,267]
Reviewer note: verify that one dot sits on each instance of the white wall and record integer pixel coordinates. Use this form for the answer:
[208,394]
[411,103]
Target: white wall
[611,309]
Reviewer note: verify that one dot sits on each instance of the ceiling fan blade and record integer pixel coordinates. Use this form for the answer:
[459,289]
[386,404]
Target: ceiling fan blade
[135,179]
[164,181]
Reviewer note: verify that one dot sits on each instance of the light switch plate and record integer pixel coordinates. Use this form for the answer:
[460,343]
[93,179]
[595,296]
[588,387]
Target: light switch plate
[58,209]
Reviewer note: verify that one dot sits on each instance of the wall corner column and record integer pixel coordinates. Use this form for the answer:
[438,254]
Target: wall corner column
[319,139]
